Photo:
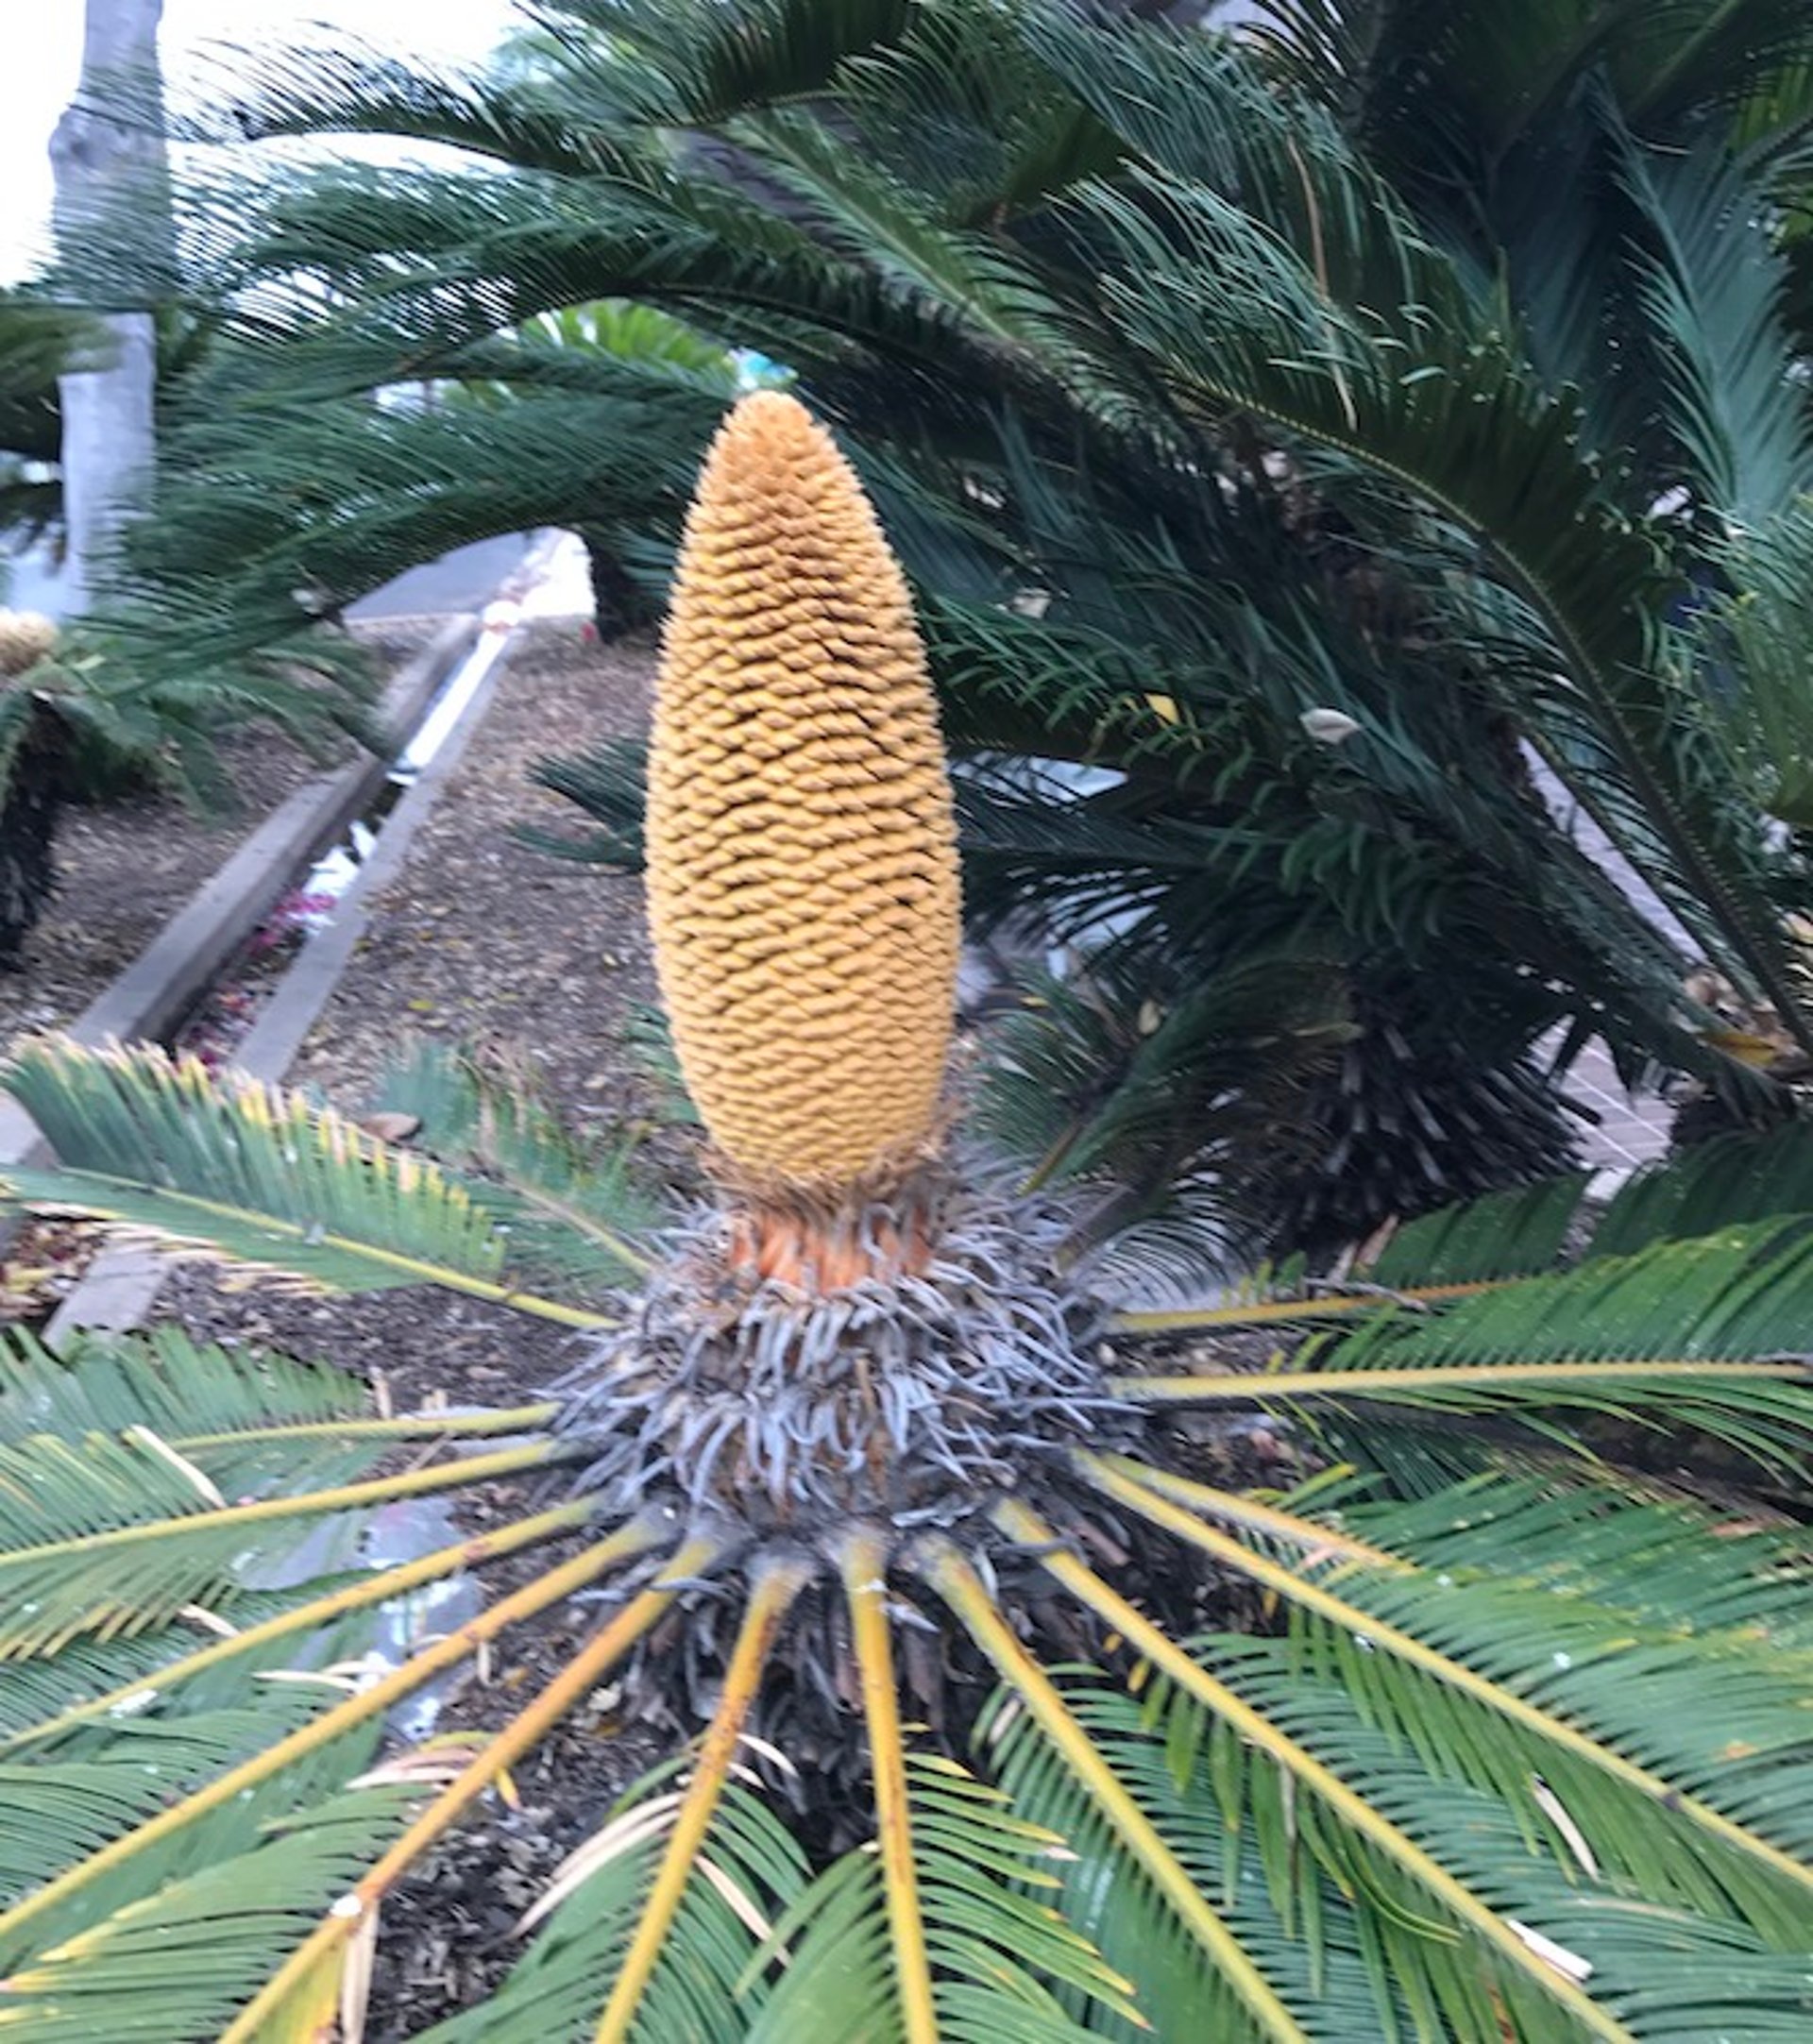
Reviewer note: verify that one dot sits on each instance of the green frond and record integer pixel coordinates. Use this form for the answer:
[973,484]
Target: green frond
[1758,620]
[775,1583]
[1482,1243]
[1486,1243]
[1658,1555]
[1236,1994]
[1315,1954]
[1547,1890]
[961,107]
[1735,1294]
[80,1467]
[58,1491]
[1009,1967]
[907,1990]
[90,1677]
[198,1410]
[261,570]
[661,1913]
[332,1949]
[206,1938]
[134,1762]
[698,1994]
[573,1210]
[866,216]
[609,784]
[1729,1182]
[959,1942]
[1309,1894]
[127,1567]
[1499,1969]
[1703,1334]
[90,1683]
[1703,55]
[1466,1707]
[322,1751]
[162,1379]
[255,1174]
[1513,1234]
[686,64]
[1715,290]
[1352,329]
[60,1810]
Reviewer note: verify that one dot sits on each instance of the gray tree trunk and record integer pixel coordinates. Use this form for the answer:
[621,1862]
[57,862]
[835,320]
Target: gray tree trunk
[108,436]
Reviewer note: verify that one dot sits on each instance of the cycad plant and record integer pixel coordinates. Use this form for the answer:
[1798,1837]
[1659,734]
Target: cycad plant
[1389,369]
[79,723]
[32,776]
[1012,1704]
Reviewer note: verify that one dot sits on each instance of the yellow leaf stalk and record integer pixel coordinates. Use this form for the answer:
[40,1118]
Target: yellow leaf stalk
[802,858]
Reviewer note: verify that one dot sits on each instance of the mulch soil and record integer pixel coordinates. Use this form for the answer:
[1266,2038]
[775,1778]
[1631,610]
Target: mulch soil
[124,867]
[483,940]
[486,940]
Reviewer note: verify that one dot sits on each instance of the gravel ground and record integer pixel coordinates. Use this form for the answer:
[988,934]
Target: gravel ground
[127,868]
[482,939]
[479,940]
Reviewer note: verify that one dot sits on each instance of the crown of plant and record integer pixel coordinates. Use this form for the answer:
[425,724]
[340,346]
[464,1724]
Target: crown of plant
[803,883]
[26,638]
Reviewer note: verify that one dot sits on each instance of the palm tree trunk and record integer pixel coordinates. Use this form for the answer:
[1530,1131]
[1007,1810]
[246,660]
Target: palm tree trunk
[108,436]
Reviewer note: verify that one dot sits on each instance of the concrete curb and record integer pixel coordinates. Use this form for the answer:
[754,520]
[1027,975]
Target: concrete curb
[151,997]
[278,1034]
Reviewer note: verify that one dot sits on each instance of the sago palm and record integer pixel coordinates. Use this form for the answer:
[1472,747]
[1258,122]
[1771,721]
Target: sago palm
[1011,1711]
[1222,349]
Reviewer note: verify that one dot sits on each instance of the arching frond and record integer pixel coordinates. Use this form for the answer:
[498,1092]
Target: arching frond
[1702,1330]
[209,1931]
[1235,1993]
[1531,1742]
[573,1208]
[332,1947]
[256,1173]
[1482,1244]
[164,1381]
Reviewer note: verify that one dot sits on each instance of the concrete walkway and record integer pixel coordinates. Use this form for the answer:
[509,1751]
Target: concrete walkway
[463,579]
[1633,1129]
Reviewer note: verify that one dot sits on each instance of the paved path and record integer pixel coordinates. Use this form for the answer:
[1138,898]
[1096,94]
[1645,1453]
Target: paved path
[461,581]
[1633,1129]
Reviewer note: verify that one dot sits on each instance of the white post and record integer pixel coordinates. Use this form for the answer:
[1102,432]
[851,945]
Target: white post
[108,436]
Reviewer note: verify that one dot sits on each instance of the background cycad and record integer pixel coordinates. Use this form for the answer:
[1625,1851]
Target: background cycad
[1051,273]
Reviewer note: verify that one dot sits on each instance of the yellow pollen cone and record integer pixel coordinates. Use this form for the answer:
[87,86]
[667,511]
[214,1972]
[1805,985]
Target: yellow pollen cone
[802,882]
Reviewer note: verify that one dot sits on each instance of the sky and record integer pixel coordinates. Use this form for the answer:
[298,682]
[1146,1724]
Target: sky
[42,61]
